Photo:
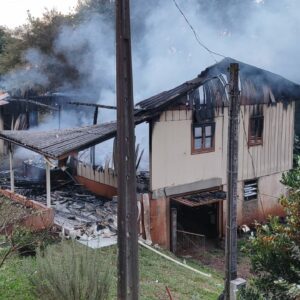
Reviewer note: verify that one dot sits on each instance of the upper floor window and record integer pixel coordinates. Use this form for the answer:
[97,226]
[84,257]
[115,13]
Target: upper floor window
[203,137]
[256,128]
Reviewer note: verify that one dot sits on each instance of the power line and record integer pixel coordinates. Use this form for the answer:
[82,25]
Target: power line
[196,35]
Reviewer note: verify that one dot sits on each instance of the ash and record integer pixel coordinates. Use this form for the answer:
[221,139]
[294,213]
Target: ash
[88,218]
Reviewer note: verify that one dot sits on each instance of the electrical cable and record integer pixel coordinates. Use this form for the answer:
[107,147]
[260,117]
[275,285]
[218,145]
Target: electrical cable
[196,35]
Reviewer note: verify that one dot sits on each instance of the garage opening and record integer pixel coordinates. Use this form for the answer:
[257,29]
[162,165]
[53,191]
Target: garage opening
[196,218]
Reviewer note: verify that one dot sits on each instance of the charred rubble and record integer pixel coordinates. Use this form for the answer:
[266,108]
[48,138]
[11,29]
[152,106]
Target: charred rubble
[80,213]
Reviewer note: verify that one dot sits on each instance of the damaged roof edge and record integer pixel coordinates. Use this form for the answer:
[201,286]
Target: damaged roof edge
[280,88]
[59,144]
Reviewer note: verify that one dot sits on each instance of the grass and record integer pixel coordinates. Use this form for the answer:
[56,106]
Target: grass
[15,284]
[156,273]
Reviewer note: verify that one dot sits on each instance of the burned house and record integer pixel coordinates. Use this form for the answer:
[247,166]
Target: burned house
[188,150]
[188,132]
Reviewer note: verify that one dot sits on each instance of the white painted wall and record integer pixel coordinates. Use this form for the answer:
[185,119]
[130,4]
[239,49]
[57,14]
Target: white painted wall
[173,164]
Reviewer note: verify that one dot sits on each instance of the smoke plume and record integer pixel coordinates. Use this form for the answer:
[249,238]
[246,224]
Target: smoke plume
[263,33]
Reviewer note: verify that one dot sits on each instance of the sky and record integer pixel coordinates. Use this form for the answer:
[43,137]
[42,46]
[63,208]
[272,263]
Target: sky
[14,12]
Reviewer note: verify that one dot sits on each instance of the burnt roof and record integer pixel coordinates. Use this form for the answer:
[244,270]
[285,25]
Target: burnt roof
[258,86]
[57,144]
[164,98]
[60,143]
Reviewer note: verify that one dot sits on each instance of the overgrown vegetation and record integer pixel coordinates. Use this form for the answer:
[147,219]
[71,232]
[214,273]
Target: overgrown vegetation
[156,273]
[275,250]
[10,213]
[67,272]
[15,237]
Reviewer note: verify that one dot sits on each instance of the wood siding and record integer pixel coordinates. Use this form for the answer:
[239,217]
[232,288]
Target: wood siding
[173,164]
[105,176]
[276,153]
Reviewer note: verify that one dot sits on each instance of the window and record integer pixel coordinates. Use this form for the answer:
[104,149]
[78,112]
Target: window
[203,138]
[256,127]
[250,189]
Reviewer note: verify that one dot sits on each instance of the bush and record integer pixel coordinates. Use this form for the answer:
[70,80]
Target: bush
[68,271]
[275,250]
[24,242]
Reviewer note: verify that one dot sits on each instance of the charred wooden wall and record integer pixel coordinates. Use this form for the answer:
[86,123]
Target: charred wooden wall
[102,182]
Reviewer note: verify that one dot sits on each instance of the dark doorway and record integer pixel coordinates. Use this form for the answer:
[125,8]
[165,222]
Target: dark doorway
[201,220]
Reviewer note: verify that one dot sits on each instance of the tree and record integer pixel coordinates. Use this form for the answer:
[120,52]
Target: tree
[40,34]
[275,250]
[31,50]
[104,8]
[11,48]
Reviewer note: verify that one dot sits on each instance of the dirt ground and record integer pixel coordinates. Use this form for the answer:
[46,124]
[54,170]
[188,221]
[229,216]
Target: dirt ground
[213,256]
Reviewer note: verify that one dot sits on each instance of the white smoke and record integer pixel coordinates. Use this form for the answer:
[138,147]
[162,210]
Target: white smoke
[29,76]
[90,49]
[264,36]
[165,52]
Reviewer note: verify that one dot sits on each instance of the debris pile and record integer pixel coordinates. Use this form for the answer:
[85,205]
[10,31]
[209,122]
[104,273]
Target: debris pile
[143,181]
[80,214]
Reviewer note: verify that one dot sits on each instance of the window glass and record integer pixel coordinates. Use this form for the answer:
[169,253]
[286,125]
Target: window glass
[260,127]
[252,128]
[198,132]
[203,137]
[256,126]
[208,142]
[208,130]
[198,143]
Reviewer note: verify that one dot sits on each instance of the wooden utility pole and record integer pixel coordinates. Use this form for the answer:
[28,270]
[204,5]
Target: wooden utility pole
[232,177]
[128,275]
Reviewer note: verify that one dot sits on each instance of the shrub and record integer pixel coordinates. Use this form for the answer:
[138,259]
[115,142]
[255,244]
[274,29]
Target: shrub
[24,242]
[69,271]
[275,250]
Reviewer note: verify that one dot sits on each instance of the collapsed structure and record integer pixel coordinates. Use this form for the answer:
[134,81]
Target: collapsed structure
[188,150]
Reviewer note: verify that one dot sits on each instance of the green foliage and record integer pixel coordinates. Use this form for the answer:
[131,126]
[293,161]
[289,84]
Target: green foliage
[104,8]
[66,271]
[275,250]
[11,48]
[24,242]
[14,281]
[41,32]
[250,293]
[39,35]
[291,179]
[296,148]
[155,274]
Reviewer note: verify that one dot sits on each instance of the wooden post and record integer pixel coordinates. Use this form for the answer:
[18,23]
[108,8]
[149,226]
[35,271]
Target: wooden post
[128,272]
[93,149]
[2,150]
[232,178]
[174,229]
[48,183]
[11,168]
